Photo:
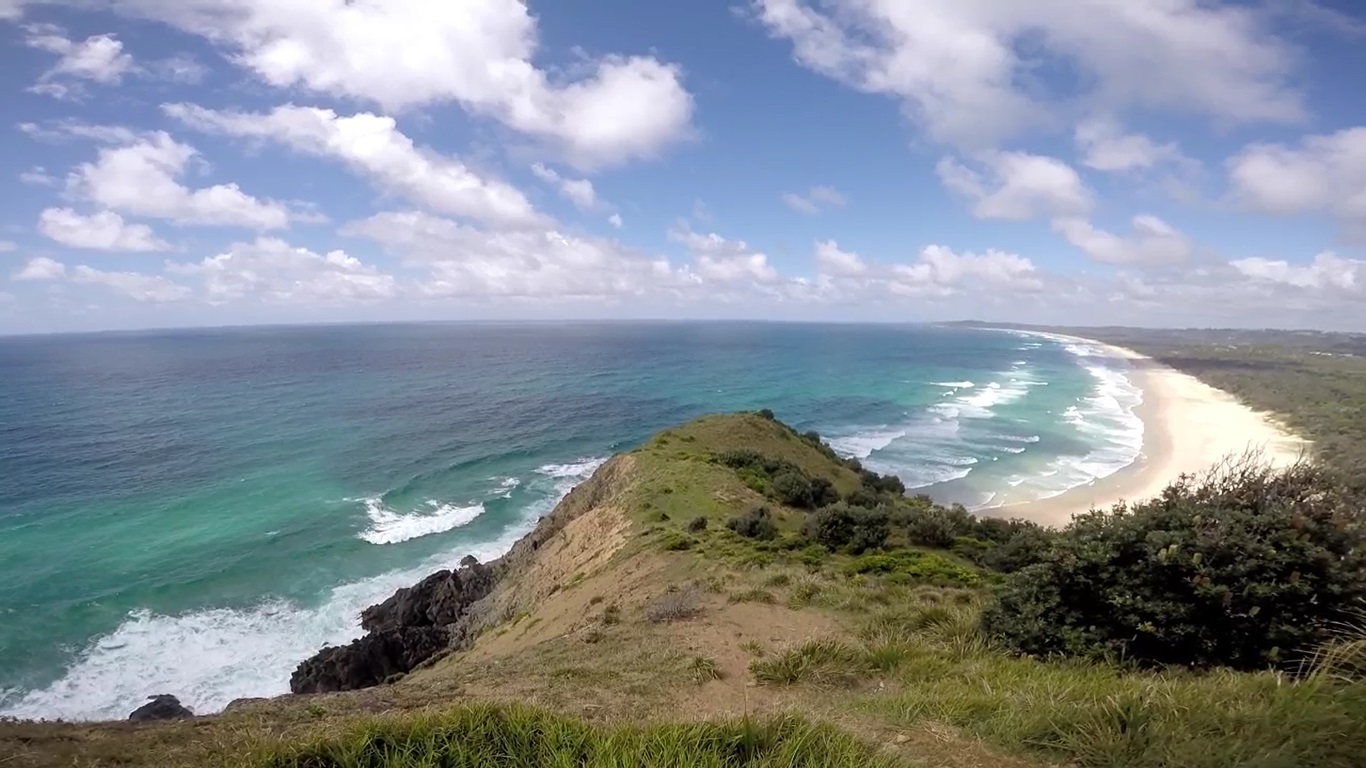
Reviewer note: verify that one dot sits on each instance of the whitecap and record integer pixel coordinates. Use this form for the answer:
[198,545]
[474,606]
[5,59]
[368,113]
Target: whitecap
[390,527]
[954,384]
[209,657]
[863,444]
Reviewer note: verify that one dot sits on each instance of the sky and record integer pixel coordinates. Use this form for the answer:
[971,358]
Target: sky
[175,163]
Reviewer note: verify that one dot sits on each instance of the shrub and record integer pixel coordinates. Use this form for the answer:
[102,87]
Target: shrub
[793,489]
[768,414]
[842,527]
[938,526]
[823,492]
[678,604]
[1244,567]
[673,541]
[697,524]
[863,498]
[1025,547]
[915,566]
[882,483]
[755,523]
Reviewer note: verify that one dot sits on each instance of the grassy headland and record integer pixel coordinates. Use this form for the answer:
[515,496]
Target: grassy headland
[731,593]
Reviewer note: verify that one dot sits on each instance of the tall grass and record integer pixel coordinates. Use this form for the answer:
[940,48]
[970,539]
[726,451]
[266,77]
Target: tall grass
[486,736]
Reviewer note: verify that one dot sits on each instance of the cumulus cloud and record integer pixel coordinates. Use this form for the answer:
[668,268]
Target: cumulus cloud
[816,199]
[467,262]
[722,260]
[830,260]
[1152,243]
[141,178]
[580,192]
[962,68]
[148,289]
[272,270]
[615,220]
[41,268]
[1325,173]
[372,146]
[476,53]
[38,177]
[102,231]
[1017,186]
[1327,271]
[97,59]
[940,271]
[11,10]
[1105,146]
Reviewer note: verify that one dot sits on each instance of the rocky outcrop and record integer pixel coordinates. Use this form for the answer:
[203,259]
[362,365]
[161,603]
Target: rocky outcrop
[447,610]
[402,632]
[369,661]
[160,707]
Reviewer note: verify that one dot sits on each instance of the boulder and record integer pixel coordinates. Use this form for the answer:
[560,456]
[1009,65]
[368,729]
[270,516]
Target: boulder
[437,601]
[160,707]
[369,661]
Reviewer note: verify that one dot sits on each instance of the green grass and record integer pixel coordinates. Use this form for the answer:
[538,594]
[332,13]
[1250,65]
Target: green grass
[1096,716]
[517,737]
[914,565]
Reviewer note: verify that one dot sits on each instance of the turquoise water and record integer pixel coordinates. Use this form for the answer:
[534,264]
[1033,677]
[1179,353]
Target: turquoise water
[194,512]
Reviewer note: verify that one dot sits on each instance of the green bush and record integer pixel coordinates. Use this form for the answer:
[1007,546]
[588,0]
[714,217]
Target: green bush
[918,566]
[938,526]
[697,524]
[842,527]
[755,523]
[823,492]
[793,489]
[1245,567]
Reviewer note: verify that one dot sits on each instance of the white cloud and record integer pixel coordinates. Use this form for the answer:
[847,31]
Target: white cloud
[140,178]
[722,260]
[181,68]
[68,128]
[373,146]
[1153,242]
[7,246]
[962,68]
[1324,173]
[477,53]
[580,192]
[98,58]
[942,272]
[104,231]
[1019,186]
[150,289]
[38,177]
[272,270]
[1327,271]
[1106,147]
[11,10]
[615,220]
[830,260]
[463,261]
[816,199]
[41,268]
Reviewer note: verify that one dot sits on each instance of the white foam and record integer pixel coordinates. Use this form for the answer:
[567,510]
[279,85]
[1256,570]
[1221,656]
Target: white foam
[210,657]
[390,527]
[863,444]
[954,384]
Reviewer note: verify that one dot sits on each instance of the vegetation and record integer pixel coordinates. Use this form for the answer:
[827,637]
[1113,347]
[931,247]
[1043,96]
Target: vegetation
[516,737]
[1246,568]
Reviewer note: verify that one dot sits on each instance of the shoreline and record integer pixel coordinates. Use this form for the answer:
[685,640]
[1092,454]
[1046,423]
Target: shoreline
[1188,428]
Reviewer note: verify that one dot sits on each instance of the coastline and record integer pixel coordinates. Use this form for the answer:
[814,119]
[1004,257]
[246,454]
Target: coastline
[1188,427]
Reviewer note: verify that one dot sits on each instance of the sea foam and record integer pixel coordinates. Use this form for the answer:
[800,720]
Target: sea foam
[209,657]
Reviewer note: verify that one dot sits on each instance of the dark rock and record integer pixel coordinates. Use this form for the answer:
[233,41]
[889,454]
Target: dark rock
[367,661]
[436,601]
[468,560]
[160,707]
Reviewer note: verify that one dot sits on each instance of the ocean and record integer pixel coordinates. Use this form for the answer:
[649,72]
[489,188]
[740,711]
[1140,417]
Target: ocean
[194,512]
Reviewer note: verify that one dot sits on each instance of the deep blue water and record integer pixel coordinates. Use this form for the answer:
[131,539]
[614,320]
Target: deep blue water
[194,512]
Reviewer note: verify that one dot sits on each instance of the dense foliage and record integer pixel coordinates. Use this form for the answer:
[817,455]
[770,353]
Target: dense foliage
[755,523]
[1245,567]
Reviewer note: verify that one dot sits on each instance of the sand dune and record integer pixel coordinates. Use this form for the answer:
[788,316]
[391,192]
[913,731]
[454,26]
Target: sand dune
[1188,427]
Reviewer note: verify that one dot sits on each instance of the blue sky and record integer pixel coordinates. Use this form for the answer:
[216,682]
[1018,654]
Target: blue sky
[209,162]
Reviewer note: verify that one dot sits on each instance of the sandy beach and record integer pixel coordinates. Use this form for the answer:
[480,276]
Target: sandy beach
[1188,427]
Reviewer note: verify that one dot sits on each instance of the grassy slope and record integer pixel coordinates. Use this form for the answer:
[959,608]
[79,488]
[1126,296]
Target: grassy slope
[635,620]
